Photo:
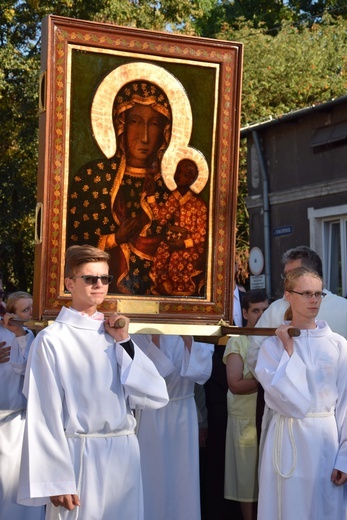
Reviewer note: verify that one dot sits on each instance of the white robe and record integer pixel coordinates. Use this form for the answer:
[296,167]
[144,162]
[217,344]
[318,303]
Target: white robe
[169,437]
[12,420]
[79,435]
[333,310]
[307,435]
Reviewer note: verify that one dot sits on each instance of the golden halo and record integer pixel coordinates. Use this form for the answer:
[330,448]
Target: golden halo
[182,118]
[185,153]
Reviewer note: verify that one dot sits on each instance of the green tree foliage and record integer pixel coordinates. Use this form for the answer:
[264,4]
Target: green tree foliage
[260,13]
[294,56]
[311,11]
[267,15]
[173,15]
[18,145]
[295,69]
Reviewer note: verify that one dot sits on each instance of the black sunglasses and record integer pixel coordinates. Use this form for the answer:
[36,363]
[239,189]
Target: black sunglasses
[92,280]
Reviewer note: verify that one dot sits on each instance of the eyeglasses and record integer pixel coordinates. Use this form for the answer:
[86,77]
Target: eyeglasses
[92,280]
[307,295]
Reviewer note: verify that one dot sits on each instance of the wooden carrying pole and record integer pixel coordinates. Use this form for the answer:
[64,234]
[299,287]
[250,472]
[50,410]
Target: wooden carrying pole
[227,331]
[220,338]
[256,331]
[39,325]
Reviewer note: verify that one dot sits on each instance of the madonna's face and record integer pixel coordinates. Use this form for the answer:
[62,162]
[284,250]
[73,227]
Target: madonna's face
[144,134]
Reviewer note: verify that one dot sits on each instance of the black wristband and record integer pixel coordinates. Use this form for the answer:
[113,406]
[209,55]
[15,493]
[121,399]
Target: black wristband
[128,346]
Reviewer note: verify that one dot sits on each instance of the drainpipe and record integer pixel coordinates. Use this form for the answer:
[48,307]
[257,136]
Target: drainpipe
[266,213]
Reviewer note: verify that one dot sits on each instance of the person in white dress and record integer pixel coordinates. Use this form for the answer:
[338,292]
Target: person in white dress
[304,462]
[169,437]
[14,348]
[333,310]
[84,378]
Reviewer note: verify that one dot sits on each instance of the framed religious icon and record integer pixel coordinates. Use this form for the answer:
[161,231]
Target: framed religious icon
[138,156]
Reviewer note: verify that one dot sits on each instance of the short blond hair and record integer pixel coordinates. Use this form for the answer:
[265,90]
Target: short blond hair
[293,276]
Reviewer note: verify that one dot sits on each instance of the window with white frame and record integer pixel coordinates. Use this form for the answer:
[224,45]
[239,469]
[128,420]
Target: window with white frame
[328,237]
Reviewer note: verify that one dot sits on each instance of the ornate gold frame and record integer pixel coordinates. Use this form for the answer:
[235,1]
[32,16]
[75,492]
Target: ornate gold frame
[76,52]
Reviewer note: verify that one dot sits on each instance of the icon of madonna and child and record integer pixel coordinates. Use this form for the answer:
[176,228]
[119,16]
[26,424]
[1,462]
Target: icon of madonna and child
[142,201]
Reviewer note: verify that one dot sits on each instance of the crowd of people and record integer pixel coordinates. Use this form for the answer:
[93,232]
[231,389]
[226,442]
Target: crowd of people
[97,424]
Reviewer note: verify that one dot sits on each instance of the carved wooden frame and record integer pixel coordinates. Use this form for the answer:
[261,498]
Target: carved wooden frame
[210,72]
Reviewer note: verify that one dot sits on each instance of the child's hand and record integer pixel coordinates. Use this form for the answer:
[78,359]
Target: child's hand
[18,330]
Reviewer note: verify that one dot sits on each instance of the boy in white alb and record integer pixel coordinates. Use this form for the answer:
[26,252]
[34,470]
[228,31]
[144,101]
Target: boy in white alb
[84,378]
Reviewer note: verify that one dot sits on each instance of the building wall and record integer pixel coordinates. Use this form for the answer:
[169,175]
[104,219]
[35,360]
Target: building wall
[300,176]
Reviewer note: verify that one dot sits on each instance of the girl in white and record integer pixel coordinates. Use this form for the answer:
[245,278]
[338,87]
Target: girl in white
[304,463]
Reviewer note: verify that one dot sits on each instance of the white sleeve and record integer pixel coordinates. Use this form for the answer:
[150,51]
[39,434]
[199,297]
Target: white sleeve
[45,429]
[143,384]
[283,378]
[197,364]
[272,317]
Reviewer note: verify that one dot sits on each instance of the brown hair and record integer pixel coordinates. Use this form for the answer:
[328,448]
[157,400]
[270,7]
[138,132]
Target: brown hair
[253,296]
[13,299]
[290,282]
[78,255]
[309,258]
